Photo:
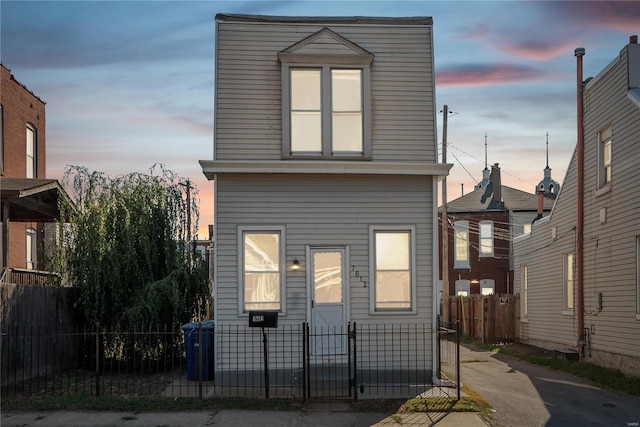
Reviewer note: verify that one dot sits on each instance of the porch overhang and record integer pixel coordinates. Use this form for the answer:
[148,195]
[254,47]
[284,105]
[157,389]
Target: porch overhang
[31,200]
[212,167]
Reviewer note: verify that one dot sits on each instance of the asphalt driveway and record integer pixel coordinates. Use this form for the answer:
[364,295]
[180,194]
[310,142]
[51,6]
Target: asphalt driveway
[528,395]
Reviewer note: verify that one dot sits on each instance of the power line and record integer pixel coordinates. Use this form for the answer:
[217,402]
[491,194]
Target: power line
[482,161]
[462,166]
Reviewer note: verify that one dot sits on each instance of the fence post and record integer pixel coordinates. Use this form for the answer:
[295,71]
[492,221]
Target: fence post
[458,358]
[266,362]
[97,359]
[304,363]
[200,360]
[355,363]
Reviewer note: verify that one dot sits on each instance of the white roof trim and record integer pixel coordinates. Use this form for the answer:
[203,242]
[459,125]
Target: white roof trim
[634,96]
[212,167]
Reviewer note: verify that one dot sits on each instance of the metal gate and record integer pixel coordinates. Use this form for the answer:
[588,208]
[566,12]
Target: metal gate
[329,369]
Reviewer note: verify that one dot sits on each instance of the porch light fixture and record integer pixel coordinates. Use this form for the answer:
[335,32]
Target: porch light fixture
[296,265]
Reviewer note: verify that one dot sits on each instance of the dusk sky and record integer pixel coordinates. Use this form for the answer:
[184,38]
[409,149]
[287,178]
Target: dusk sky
[130,84]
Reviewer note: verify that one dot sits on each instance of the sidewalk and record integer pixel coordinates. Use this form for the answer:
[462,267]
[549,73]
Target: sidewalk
[313,415]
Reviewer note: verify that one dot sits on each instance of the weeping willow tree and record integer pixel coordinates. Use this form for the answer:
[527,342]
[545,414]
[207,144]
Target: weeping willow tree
[123,249]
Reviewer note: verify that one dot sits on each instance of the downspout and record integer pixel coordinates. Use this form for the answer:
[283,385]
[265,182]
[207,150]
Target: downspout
[579,53]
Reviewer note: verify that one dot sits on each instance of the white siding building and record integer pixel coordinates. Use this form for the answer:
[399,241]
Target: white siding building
[325,172]
[546,260]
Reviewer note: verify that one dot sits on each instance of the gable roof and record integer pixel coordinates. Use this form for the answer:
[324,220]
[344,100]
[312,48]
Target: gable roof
[328,36]
[514,199]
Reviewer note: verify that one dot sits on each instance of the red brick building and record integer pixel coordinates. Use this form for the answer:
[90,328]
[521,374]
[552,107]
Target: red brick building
[28,199]
[481,226]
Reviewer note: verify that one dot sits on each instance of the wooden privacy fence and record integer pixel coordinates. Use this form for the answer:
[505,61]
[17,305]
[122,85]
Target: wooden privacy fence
[488,318]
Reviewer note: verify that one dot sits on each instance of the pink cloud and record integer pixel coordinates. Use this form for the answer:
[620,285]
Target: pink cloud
[537,49]
[603,15]
[485,75]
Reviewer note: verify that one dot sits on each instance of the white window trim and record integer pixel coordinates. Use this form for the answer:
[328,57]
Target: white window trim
[480,253]
[566,310]
[524,292]
[282,267]
[460,225]
[326,63]
[31,260]
[372,270]
[606,133]
[31,162]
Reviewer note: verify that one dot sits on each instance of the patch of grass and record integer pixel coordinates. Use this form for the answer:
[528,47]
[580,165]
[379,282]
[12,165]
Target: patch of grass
[469,402]
[396,418]
[612,379]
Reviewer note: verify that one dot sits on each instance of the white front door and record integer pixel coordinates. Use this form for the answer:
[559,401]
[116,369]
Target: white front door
[328,294]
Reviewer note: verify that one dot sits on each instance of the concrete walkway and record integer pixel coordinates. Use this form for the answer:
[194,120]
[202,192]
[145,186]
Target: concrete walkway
[313,415]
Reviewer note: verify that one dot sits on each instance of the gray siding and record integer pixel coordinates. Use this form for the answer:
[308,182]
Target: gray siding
[249,99]
[323,210]
[609,246]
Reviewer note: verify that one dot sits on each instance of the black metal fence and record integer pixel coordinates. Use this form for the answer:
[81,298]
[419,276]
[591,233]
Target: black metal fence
[363,361]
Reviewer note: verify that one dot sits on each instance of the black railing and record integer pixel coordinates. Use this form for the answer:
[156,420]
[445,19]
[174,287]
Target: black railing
[22,276]
[363,361]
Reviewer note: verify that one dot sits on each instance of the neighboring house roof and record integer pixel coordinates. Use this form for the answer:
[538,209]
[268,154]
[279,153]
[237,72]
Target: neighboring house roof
[416,20]
[514,199]
[32,199]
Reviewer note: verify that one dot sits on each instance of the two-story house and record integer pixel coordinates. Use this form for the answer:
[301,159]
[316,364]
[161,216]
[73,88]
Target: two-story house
[325,174]
[578,271]
[27,198]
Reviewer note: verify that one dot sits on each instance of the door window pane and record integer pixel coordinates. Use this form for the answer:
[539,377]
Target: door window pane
[327,271]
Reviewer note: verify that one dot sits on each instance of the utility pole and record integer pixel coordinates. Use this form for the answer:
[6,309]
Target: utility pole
[190,247]
[444,225]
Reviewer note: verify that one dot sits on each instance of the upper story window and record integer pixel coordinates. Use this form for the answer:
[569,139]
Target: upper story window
[461,248]
[604,157]
[326,100]
[326,113]
[31,151]
[486,238]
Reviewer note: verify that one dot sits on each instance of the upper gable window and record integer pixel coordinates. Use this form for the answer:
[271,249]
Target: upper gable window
[326,110]
[604,157]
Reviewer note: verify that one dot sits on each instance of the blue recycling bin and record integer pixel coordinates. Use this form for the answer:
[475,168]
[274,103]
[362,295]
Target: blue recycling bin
[192,345]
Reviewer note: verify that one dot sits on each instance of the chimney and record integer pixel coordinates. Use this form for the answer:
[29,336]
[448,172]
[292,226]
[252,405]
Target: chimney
[633,39]
[540,206]
[497,183]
